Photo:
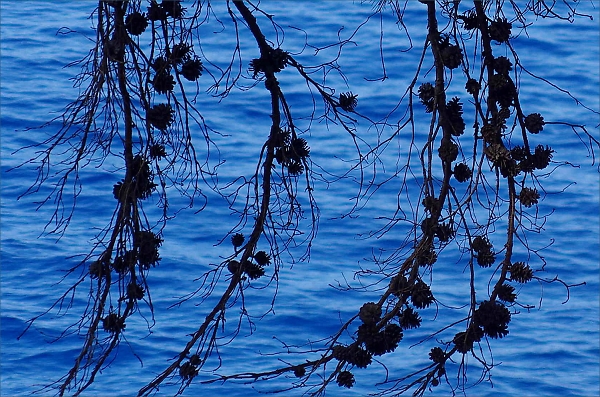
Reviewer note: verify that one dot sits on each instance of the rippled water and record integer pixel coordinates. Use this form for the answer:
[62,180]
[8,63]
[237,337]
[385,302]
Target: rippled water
[550,351]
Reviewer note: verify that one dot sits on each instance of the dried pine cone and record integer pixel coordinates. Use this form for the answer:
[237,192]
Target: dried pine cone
[506,293]
[520,272]
[345,379]
[534,123]
[493,318]
[409,319]
[192,69]
[448,150]
[529,197]
[161,116]
[348,101]
[136,23]
[370,313]
[502,65]
[237,240]
[421,295]
[462,172]
[454,111]
[163,82]
[499,30]
[473,87]
[427,96]
[437,355]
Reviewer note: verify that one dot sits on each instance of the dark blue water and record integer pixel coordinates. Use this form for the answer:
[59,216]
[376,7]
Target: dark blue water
[552,350]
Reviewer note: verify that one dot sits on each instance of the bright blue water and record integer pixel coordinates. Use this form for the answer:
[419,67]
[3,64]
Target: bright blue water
[550,351]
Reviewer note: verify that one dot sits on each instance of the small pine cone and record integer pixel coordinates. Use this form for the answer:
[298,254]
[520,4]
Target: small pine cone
[370,313]
[237,240]
[481,243]
[485,258]
[493,318]
[451,54]
[499,30]
[520,272]
[345,379]
[299,371]
[431,204]
[469,20]
[473,87]
[506,293]
[192,69]
[437,355]
[444,232]
[529,197]
[348,101]
[534,123]
[421,295]
[262,258]
[427,95]
[462,172]
[502,65]
[448,150]
[163,82]
[136,23]
[542,156]
[409,319]
[490,133]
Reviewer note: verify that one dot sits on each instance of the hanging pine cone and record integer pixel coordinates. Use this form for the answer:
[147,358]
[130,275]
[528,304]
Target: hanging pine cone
[161,116]
[506,293]
[345,379]
[192,69]
[448,150]
[147,244]
[179,52]
[156,12]
[427,96]
[370,313]
[136,23]
[262,258]
[469,20]
[348,101]
[502,90]
[135,291]
[409,319]
[237,240]
[173,8]
[113,323]
[493,318]
[520,272]
[454,112]
[502,65]
[534,123]
[499,30]
[163,82]
[299,371]
[464,340]
[399,285]
[421,295]
[542,156]
[437,355]
[451,53]
[473,87]
[462,172]
[188,371]
[431,204]
[529,196]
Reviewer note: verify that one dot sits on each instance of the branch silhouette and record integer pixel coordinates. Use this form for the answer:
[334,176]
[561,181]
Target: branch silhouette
[467,186]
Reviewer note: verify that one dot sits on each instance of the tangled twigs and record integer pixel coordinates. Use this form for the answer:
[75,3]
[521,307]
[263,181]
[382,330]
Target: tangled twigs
[469,196]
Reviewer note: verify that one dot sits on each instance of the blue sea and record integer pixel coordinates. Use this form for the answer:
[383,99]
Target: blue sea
[552,350]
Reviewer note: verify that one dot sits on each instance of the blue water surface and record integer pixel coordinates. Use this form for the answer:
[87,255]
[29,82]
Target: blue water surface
[551,350]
